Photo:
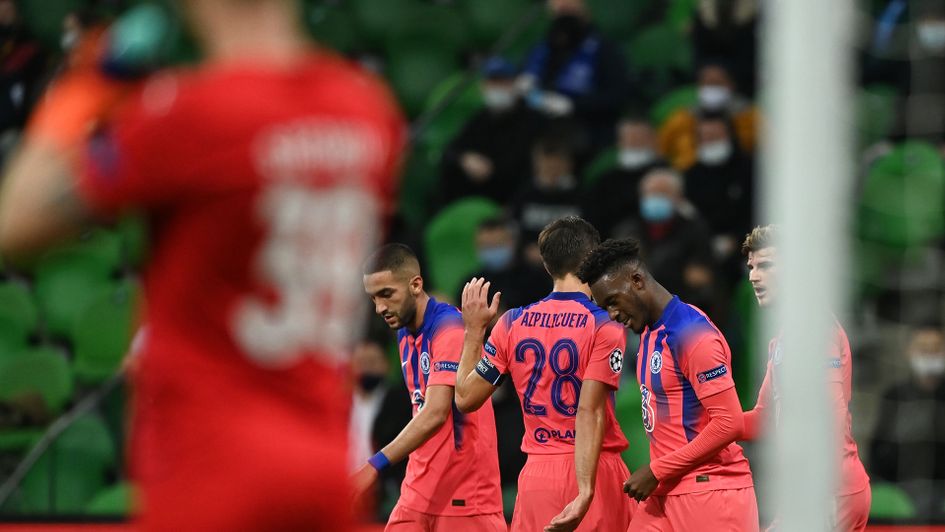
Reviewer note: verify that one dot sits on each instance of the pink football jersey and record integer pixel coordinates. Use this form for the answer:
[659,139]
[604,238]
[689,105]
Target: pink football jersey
[549,348]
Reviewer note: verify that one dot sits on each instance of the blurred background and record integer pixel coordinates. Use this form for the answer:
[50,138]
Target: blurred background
[643,116]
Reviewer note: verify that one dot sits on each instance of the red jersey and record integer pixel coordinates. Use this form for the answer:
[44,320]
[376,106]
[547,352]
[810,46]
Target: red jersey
[683,358]
[840,372]
[456,471]
[265,188]
[549,348]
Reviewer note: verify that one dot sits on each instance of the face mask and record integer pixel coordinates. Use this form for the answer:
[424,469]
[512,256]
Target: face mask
[928,365]
[656,208]
[714,97]
[369,381]
[498,99]
[495,258]
[69,40]
[932,36]
[633,158]
[715,153]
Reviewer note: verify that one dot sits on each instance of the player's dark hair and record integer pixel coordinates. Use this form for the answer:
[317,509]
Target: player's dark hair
[557,140]
[391,257]
[609,256]
[564,243]
[762,236]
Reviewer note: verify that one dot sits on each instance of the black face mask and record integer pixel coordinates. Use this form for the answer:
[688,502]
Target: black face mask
[369,381]
[567,31]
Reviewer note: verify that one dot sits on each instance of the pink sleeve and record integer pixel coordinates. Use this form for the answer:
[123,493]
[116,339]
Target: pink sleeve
[495,356]
[755,418]
[707,365]
[606,360]
[446,348]
[724,426]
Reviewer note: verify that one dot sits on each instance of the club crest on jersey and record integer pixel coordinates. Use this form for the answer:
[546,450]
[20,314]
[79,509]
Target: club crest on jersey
[425,363]
[656,362]
[616,360]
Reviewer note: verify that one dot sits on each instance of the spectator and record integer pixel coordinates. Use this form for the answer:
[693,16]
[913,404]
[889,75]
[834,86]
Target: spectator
[615,194]
[22,63]
[728,28]
[717,94]
[378,412]
[674,239]
[719,185]
[577,72]
[489,157]
[499,257]
[552,194]
[908,445]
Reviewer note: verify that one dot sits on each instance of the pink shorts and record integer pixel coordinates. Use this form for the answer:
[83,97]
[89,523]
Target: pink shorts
[853,511]
[407,520]
[732,510]
[548,483]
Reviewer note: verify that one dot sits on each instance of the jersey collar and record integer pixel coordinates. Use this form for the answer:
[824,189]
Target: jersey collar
[567,296]
[674,303]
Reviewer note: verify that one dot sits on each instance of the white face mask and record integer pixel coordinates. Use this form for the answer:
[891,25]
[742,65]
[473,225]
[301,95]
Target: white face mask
[715,153]
[69,40]
[925,365]
[932,36]
[633,158]
[498,99]
[714,97]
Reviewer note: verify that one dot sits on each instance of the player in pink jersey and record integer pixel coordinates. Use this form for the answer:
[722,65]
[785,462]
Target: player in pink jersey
[698,478]
[564,356]
[452,480]
[265,172]
[853,495]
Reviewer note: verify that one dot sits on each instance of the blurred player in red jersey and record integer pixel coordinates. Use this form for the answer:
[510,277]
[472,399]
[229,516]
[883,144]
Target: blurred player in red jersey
[853,496]
[565,357]
[452,481]
[698,478]
[265,173]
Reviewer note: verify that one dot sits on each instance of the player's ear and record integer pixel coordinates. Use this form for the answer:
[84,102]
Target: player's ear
[638,280]
[416,286]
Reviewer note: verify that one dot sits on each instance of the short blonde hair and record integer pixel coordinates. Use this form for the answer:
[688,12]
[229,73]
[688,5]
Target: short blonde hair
[762,236]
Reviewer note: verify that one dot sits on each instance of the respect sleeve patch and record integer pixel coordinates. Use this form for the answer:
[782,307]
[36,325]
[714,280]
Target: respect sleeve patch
[713,373]
[446,366]
[490,348]
[487,370]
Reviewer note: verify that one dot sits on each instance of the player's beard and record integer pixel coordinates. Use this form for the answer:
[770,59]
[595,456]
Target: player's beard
[407,313]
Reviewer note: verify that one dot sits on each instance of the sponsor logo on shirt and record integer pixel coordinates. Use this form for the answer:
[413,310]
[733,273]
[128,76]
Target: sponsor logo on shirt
[490,348]
[446,366]
[425,363]
[656,362]
[616,360]
[543,435]
[713,373]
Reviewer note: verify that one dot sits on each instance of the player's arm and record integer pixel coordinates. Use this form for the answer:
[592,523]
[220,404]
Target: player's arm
[472,386]
[716,391]
[756,418]
[427,422]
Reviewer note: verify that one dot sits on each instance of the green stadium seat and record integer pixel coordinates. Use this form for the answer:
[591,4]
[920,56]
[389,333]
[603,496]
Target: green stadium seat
[427,24]
[42,371]
[116,500]
[333,26]
[628,412]
[415,71]
[875,113]
[681,98]
[618,18]
[451,119]
[605,160]
[901,206]
[450,246]
[133,232]
[72,471]
[18,318]
[746,346]
[101,334]
[680,14]
[417,186]
[489,19]
[890,502]
[65,288]
[379,20]
[660,47]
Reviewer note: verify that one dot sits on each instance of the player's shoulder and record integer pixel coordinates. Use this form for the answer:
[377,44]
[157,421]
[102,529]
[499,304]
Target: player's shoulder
[444,315]
[689,323]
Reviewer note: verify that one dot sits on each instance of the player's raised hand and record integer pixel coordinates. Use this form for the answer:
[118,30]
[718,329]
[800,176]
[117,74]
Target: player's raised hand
[571,516]
[478,313]
[641,483]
